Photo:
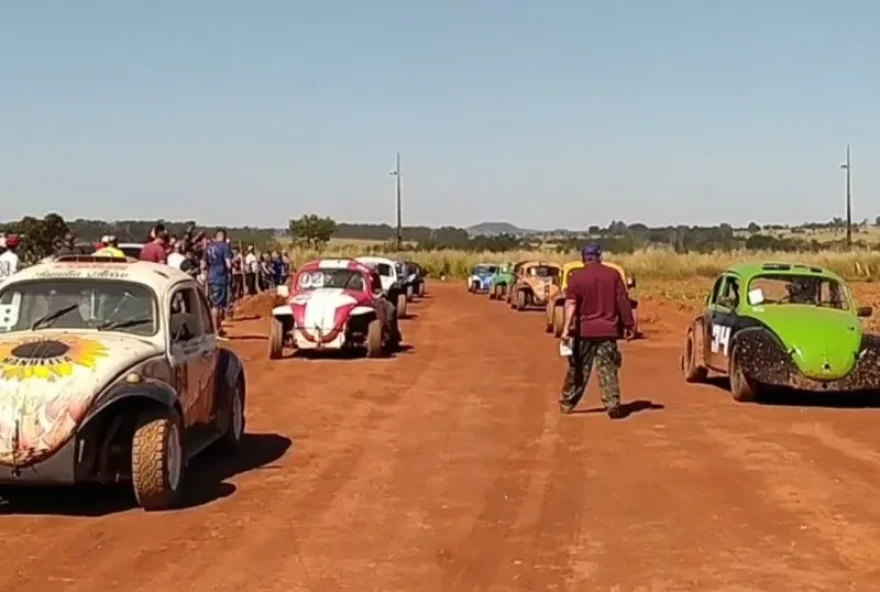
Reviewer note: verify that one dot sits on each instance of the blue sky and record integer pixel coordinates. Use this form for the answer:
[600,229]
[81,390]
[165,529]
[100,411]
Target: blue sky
[546,114]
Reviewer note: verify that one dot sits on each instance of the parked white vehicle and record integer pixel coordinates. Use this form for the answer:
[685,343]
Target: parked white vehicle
[390,281]
[110,371]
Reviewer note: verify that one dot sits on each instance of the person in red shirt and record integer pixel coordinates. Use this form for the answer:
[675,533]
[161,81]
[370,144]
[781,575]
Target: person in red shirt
[597,311]
[155,249]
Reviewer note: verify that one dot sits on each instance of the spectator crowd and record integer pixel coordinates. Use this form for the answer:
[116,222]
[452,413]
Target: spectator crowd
[225,271]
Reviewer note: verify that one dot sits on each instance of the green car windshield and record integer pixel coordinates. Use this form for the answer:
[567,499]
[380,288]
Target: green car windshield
[775,289]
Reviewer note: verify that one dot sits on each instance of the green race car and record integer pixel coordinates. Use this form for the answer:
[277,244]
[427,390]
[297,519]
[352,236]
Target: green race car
[501,281]
[782,325]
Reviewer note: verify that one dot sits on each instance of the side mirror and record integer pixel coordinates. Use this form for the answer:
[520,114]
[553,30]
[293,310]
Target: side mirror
[864,311]
[182,326]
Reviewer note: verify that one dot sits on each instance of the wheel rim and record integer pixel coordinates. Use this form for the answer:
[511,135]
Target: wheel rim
[237,415]
[174,457]
[689,354]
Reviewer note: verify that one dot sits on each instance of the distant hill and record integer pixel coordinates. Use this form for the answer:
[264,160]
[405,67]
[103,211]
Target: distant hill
[493,228]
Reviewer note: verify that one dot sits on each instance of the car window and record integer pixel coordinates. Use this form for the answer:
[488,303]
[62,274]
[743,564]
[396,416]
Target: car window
[375,280]
[543,271]
[716,290]
[781,288]
[90,304]
[729,295]
[185,301]
[205,313]
[346,279]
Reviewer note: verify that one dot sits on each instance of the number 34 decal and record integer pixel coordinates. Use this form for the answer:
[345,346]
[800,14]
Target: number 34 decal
[720,339]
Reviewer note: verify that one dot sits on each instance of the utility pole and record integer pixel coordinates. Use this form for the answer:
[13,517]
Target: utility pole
[396,173]
[848,167]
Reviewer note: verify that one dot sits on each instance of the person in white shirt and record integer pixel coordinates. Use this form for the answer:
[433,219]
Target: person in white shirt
[251,269]
[177,256]
[8,257]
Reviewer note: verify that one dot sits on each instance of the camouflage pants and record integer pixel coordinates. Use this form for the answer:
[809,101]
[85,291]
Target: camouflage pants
[607,358]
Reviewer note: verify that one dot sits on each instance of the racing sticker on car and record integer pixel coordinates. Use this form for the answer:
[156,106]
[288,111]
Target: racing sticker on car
[720,339]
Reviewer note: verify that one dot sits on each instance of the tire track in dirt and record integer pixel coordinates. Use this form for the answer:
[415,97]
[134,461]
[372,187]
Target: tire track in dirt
[175,545]
[833,500]
[399,470]
[517,406]
[339,461]
[328,520]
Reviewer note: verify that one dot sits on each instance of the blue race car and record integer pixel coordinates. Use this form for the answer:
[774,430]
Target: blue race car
[481,277]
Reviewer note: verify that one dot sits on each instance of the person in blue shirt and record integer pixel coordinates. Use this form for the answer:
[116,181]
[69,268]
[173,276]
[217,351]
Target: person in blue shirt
[218,267]
[279,269]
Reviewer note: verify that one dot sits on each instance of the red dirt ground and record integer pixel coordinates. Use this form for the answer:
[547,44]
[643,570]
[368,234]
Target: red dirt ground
[449,468]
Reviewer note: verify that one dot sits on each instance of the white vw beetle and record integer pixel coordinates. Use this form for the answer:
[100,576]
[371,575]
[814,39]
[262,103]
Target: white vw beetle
[110,371]
[391,282]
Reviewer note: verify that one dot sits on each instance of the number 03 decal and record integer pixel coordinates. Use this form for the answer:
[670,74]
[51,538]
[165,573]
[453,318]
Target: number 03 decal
[720,339]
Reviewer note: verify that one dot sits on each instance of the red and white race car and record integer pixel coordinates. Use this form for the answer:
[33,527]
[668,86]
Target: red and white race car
[334,304]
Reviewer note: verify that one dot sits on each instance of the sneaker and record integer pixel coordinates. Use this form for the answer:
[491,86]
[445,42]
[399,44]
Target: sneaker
[565,409]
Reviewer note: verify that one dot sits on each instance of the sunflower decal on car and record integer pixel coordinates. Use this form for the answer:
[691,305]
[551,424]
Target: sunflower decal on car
[48,359]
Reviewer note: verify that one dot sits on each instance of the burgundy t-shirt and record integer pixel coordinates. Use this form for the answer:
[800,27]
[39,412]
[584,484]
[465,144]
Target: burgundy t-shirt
[601,302]
[154,252]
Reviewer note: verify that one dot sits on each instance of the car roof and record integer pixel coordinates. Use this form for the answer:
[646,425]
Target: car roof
[349,264]
[155,276]
[750,269]
[566,267]
[375,260]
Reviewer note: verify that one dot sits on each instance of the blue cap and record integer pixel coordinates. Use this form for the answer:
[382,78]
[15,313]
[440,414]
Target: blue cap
[591,251]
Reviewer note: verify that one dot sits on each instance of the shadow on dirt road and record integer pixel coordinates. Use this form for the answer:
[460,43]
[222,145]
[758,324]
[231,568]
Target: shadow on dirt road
[628,408]
[206,482]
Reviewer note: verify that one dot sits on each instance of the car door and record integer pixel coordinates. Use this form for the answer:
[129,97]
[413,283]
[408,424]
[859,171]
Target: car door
[185,351]
[209,355]
[722,322]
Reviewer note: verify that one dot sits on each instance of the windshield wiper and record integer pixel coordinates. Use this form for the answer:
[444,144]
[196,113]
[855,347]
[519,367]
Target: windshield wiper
[123,323]
[49,318]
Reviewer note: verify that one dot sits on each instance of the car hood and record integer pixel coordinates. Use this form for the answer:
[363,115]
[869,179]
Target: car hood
[48,381]
[823,342]
[325,309]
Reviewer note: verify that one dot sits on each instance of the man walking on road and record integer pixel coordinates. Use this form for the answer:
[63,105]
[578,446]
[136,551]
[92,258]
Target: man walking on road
[218,265]
[597,303]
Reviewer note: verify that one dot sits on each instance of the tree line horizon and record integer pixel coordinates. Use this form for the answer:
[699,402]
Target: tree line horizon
[39,235]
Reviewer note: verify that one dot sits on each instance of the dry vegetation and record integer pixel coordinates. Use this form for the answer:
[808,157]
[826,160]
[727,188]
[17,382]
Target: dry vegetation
[661,264]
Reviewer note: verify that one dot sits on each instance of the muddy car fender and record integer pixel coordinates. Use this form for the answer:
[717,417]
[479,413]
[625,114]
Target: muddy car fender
[148,391]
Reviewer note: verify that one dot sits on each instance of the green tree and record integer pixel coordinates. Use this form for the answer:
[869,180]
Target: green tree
[38,237]
[312,230]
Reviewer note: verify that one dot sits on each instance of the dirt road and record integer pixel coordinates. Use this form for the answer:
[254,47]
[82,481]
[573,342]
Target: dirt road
[449,468]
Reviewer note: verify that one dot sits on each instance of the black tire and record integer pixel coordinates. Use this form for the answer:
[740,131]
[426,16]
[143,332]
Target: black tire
[743,389]
[276,338]
[558,320]
[692,366]
[401,306]
[158,460]
[235,422]
[520,300]
[375,347]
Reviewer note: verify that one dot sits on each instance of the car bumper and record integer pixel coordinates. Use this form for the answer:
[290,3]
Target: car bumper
[58,469]
[313,341]
[764,361]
